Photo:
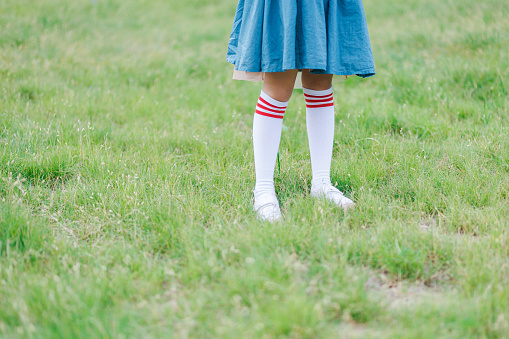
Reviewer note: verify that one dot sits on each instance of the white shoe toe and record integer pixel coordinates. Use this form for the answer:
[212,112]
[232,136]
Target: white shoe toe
[267,208]
[332,194]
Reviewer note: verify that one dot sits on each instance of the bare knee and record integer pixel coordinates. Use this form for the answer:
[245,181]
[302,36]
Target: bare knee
[279,85]
[318,82]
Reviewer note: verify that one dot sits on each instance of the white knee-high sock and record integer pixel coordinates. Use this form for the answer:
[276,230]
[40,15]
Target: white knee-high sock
[320,127]
[267,125]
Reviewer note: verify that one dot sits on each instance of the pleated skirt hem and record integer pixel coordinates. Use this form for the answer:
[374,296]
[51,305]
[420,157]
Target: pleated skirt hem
[325,36]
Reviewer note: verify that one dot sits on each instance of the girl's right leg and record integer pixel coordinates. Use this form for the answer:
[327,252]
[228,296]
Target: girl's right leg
[267,126]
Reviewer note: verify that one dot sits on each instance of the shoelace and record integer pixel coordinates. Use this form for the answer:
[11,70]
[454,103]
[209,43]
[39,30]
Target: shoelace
[268,204]
[335,191]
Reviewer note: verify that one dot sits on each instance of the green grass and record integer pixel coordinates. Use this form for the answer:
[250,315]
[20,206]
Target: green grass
[126,175]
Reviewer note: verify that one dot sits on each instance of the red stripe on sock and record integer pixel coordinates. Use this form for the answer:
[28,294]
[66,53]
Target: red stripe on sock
[319,106]
[321,100]
[271,105]
[318,96]
[269,115]
[282,111]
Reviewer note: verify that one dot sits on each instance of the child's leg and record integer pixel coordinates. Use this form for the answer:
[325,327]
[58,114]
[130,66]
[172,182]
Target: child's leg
[279,85]
[267,125]
[319,123]
[320,127]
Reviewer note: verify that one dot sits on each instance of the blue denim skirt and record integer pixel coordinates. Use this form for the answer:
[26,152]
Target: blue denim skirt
[326,36]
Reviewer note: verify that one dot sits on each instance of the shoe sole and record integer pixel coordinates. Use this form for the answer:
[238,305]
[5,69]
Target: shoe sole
[345,207]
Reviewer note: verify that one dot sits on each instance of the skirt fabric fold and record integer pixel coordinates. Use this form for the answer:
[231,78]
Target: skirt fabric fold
[326,36]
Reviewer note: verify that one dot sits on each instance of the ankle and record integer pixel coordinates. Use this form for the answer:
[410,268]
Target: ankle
[320,182]
[262,192]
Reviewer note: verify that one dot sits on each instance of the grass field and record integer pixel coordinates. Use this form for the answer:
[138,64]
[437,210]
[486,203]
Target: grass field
[126,174]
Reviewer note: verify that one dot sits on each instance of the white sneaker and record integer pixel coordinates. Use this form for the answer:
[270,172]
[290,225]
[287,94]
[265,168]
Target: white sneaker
[332,194]
[266,207]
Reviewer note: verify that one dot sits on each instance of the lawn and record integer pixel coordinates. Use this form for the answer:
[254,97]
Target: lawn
[126,179]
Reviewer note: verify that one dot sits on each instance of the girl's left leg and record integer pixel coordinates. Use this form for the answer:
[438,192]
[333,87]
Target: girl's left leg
[320,126]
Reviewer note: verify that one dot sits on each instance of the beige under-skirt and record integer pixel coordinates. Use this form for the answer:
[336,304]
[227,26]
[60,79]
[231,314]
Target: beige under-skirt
[259,76]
